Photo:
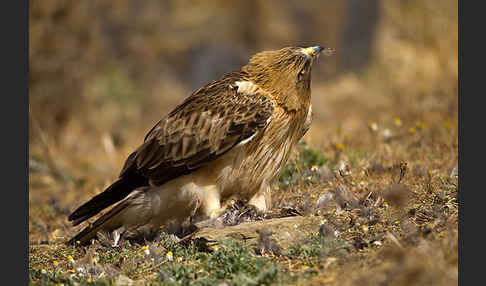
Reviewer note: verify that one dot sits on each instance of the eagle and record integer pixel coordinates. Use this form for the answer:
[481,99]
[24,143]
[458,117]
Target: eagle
[229,139]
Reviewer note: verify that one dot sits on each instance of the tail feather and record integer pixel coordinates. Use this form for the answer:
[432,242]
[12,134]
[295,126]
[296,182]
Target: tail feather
[114,193]
[108,222]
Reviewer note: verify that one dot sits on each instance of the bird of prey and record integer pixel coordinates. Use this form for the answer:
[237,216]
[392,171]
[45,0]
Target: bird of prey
[228,139]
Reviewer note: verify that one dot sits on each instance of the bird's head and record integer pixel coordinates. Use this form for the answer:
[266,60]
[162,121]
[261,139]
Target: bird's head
[286,73]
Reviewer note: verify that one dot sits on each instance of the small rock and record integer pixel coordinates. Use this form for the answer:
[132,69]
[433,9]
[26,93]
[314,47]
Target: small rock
[324,201]
[325,173]
[266,243]
[326,231]
[376,168]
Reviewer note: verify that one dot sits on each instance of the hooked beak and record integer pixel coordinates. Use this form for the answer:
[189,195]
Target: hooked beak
[316,50]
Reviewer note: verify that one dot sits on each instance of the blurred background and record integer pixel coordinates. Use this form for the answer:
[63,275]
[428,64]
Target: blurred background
[102,73]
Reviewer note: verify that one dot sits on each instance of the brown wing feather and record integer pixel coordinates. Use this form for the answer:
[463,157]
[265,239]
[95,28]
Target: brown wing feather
[206,125]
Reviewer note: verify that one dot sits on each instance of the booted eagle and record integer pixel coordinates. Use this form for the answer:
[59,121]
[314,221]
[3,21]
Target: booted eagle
[229,139]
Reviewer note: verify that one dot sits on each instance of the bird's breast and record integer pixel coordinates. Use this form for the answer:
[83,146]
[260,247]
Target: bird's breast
[249,167]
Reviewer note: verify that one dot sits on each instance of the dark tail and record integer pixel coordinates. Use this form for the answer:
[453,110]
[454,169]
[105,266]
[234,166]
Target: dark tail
[114,193]
[108,222]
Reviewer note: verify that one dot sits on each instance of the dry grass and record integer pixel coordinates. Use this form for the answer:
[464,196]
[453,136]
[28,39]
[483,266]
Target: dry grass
[385,142]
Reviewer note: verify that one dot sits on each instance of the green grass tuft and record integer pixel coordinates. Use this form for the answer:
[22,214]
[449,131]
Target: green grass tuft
[297,169]
[232,263]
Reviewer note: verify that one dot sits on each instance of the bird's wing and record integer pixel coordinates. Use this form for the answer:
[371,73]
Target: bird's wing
[206,125]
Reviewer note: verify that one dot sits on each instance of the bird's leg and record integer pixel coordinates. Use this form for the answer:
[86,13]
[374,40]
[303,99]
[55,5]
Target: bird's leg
[262,199]
[258,201]
[210,207]
[215,219]
[228,203]
[209,220]
[210,204]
